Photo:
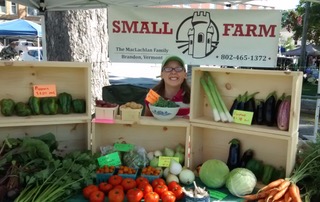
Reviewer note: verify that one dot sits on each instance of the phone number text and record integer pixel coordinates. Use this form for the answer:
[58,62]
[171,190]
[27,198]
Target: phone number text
[244,57]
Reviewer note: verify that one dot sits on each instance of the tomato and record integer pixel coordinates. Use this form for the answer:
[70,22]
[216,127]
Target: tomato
[116,195]
[105,187]
[115,180]
[119,186]
[141,179]
[157,181]
[160,188]
[151,197]
[134,195]
[168,196]
[96,196]
[128,183]
[88,190]
[177,190]
[145,188]
[172,184]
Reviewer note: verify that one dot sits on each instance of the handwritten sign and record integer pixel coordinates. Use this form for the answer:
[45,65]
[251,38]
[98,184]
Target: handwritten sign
[164,161]
[44,90]
[216,194]
[123,147]
[242,117]
[152,96]
[112,159]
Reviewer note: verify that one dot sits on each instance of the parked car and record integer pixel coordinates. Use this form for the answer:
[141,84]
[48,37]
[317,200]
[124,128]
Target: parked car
[31,54]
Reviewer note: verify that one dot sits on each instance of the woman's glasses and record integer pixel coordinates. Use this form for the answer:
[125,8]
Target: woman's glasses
[170,69]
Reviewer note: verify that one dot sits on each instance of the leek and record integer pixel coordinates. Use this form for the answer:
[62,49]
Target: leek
[215,112]
[222,108]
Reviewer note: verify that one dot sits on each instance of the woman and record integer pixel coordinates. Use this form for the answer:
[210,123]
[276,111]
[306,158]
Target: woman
[173,85]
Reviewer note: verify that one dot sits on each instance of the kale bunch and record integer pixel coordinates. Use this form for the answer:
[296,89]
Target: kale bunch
[161,102]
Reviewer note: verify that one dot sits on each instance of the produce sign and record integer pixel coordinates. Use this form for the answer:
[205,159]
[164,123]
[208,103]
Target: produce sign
[220,37]
[44,90]
[242,117]
[164,161]
[112,159]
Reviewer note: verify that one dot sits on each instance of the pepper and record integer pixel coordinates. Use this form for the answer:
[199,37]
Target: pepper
[247,155]
[256,166]
[65,100]
[258,114]
[23,109]
[79,105]
[234,154]
[267,174]
[279,173]
[235,104]
[270,109]
[34,103]
[7,107]
[49,106]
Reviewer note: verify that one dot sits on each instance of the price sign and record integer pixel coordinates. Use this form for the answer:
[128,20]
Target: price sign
[112,159]
[45,90]
[242,117]
[164,161]
[152,96]
[123,147]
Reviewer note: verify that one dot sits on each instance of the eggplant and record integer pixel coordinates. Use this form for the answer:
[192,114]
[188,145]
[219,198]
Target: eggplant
[246,157]
[269,111]
[243,99]
[281,98]
[249,104]
[235,104]
[234,154]
[258,114]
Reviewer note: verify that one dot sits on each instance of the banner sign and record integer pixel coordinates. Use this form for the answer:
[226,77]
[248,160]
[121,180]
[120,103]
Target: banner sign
[200,37]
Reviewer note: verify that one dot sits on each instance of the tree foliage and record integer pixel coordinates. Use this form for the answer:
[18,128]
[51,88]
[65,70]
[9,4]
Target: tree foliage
[293,21]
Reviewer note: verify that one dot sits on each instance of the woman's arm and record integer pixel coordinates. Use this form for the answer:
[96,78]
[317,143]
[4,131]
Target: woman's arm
[147,111]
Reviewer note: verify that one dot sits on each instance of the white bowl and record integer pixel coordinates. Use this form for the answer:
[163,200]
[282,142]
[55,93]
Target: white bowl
[163,113]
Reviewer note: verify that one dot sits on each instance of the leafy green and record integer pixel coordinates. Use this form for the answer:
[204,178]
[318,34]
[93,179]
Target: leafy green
[161,102]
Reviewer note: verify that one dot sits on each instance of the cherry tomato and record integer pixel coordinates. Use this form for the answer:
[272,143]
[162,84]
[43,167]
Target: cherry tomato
[128,183]
[134,195]
[115,180]
[157,181]
[145,188]
[151,197]
[177,190]
[160,188]
[168,196]
[116,195]
[88,190]
[141,179]
[96,196]
[105,187]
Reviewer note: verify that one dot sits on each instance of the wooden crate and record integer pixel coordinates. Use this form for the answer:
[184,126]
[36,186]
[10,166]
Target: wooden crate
[232,82]
[212,142]
[17,80]
[149,133]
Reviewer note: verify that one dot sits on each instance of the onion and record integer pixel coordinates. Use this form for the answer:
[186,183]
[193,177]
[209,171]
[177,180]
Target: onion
[175,167]
[186,176]
[171,178]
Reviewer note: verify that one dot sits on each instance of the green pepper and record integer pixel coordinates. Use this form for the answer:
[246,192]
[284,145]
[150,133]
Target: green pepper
[49,106]
[34,103]
[256,166]
[278,174]
[267,174]
[23,109]
[65,100]
[7,107]
[79,105]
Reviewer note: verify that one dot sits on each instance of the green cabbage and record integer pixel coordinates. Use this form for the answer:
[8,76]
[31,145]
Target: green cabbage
[241,181]
[213,173]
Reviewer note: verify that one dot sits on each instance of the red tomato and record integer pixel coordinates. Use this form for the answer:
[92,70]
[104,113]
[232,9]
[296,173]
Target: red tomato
[96,196]
[141,179]
[119,186]
[115,180]
[88,190]
[151,197]
[128,183]
[177,190]
[172,184]
[116,195]
[105,187]
[134,195]
[160,188]
[168,196]
[145,188]
[157,181]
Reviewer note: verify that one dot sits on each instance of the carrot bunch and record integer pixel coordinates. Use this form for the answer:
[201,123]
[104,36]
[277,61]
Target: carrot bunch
[281,190]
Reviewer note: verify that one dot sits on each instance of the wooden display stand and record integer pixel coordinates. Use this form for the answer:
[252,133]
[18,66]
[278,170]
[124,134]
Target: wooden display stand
[17,80]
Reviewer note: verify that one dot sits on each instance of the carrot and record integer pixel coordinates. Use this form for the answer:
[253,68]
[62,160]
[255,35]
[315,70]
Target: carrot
[272,184]
[294,192]
[284,184]
[257,196]
[287,197]
[271,194]
[261,200]
[280,193]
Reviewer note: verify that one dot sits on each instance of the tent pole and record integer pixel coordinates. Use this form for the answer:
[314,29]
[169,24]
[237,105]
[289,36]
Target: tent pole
[44,42]
[303,55]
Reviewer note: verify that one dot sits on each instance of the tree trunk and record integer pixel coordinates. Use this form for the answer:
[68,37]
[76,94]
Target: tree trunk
[80,36]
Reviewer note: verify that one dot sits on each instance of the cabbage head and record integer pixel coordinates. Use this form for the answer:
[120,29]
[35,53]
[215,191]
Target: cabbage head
[213,173]
[241,181]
